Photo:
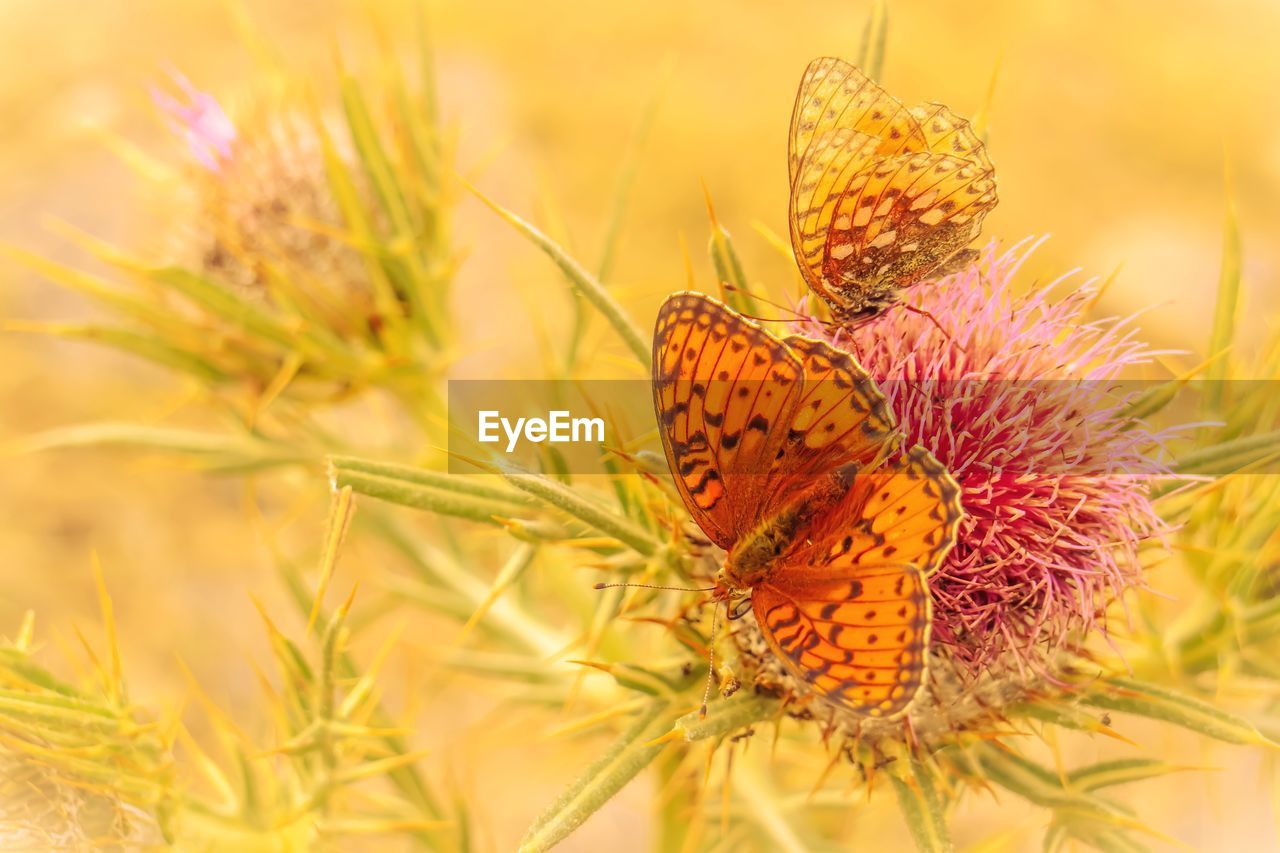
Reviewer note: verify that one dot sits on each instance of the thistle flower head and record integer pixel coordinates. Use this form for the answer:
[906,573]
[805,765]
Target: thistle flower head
[264,204]
[199,119]
[1015,395]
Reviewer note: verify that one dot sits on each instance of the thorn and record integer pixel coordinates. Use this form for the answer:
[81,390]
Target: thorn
[603,667]
[711,210]
[673,735]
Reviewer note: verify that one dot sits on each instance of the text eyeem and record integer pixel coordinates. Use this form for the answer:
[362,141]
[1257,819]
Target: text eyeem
[558,427]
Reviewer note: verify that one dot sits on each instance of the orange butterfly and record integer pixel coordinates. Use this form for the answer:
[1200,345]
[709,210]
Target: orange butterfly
[779,448]
[882,196]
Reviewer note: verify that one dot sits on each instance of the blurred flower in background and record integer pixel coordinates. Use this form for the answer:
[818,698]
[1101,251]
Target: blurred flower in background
[266,207]
[199,119]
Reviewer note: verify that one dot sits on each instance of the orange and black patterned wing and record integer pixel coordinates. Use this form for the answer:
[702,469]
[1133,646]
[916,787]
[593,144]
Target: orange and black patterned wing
[899,219]
[848,608]
[841,122]
[860,638]
[825,171]
[835,95]
[840,418]
[724,390]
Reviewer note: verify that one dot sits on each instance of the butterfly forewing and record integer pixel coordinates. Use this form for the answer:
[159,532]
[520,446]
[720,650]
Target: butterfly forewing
[848,607]
[824,174]
[724,390]
[834,94]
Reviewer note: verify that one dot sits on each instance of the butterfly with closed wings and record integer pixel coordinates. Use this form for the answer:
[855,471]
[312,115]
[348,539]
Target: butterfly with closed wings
[882,196]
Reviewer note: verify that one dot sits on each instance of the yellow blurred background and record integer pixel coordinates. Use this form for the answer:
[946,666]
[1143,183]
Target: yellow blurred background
[1109,123]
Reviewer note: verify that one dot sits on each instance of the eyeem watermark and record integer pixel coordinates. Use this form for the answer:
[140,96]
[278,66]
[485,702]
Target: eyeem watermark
[558,427]
[537,424]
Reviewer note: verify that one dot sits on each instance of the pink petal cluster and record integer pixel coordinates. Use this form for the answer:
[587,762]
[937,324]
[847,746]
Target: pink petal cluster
[1017,395]
[200,120]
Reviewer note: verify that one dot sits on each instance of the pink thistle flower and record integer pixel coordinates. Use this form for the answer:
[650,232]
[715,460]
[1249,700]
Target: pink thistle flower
[1017,396]
[200,120]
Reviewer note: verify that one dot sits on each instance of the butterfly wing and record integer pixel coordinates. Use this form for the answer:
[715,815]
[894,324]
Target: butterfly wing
[859,641]
[724,390]
[841,122]
[848,609]
[900,218]
[840,418]
[836,95]
[823,174]
[946,133]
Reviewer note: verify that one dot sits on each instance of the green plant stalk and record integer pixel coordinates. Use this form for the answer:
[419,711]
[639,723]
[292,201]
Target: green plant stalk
[440,501]
[724,259]
[1226,309]
[433,479]
[680,790]
[1121,771]
[407,779]
[923,809]
[1230,455]
[437,569]
[762,808]
[1159,703]
[564,498]
[621,762]
[378,170]
[343,187]
[727,716]
[221,450]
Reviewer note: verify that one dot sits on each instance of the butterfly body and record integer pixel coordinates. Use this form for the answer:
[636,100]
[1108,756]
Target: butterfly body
[882,196]
[752,560]
[783,453]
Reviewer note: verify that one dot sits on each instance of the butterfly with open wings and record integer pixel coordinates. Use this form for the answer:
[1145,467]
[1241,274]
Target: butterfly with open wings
[882,196]
[784,453]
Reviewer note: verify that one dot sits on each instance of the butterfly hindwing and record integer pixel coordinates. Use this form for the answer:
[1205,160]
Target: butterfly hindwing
[859,637]
[848,608]
[947,133]
[902,217]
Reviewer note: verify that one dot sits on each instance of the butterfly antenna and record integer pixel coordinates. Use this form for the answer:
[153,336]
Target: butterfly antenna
[656,586]
[795,315]
[711,663]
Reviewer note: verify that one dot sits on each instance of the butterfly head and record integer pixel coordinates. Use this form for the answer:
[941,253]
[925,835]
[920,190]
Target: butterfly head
[736,579]
[853,307]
